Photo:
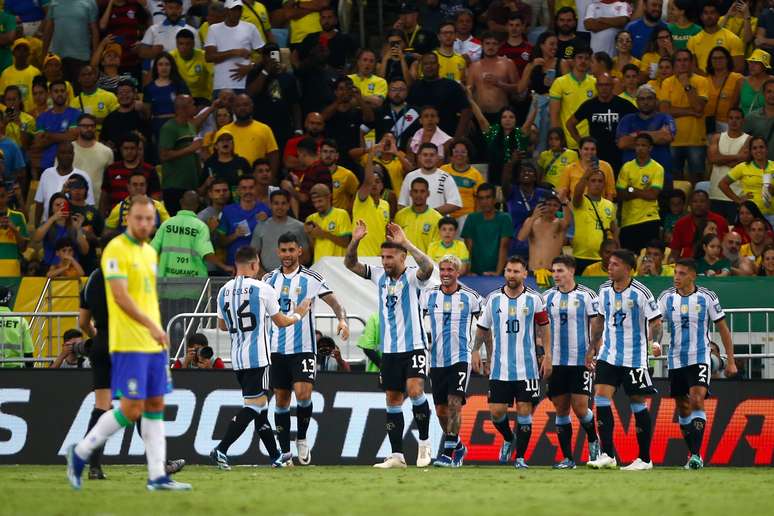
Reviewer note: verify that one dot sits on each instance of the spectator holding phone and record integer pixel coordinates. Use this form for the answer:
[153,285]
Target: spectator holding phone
[53,180]
[60,223]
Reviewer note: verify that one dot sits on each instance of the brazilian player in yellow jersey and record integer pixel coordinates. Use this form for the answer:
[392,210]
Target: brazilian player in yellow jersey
[329,228]
[138,349]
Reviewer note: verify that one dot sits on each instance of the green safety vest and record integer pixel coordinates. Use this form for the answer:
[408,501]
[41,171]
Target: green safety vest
[15,338]
[182,242]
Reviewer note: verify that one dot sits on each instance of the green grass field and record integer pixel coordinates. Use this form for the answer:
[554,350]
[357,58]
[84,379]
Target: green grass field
[361,490]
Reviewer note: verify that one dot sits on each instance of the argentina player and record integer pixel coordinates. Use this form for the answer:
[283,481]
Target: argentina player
[404,360]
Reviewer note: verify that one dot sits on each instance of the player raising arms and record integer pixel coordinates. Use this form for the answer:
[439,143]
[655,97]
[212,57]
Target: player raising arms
[451,308]
[572,310]
[688,311]
[138,347]
[513,316]
[631,314]
[400,330]
[293,348]
[244,304]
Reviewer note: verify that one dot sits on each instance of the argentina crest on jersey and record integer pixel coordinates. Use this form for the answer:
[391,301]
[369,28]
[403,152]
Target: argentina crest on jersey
[451,322]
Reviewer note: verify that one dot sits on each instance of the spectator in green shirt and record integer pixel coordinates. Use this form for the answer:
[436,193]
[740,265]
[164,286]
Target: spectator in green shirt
[487,233]
[178,147]
[370,343]
[7,35]
[15,336]
[183,243]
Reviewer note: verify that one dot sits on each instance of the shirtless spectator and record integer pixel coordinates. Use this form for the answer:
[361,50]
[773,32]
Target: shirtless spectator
[545,232]
[492,79]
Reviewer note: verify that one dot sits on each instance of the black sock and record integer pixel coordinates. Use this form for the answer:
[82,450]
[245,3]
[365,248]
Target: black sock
[265,432]
[282,424]
[687,431]
[564,434]
[96,456]
[504,427]
[697,435]
[138,426]
[591,429]
[303,416]
[394,428]
[236,428]
[422,417]
[643,426]
[605,426]
[523,434]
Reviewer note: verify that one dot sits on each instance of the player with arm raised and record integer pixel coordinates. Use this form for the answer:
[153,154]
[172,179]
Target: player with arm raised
[404,359]
[688,312]
[572,310]
[293,348]
[138,347]
[451,308]
[630,314]
[244,305]
[515,316]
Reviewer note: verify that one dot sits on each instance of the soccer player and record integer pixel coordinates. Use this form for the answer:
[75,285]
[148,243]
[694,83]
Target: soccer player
[293,349]
[572,311]
[451,308]
[404,362]
[138,347]
[631,315]
[688,311]
[244,304]
[514,316]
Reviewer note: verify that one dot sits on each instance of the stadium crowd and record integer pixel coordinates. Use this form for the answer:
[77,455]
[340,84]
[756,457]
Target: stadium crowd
[483,128]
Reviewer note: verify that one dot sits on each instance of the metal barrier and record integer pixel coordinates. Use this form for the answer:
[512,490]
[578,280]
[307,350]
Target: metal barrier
[216,337]
[50,321]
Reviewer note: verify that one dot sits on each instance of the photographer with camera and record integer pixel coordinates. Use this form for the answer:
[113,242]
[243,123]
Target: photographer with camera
[329,355]
[74,351]
[198,355]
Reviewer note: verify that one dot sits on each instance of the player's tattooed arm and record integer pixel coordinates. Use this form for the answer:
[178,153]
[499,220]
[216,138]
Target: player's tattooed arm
[395,234]
[350,259]
[341,314]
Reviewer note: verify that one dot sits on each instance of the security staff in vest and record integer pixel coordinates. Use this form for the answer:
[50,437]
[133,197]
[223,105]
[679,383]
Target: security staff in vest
[183,243]
[15,336]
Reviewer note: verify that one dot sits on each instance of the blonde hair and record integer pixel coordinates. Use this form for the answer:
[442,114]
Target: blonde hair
[453,260]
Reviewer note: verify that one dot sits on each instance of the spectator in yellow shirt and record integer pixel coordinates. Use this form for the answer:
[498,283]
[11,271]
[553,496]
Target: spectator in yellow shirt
[345,183]
[252,139]
[448,245]
[93,100]
[329,229]
[20,127]
[713,35]
[419,221]
[573,172]
[21,72]
[605,252]
[372,88]
[753,250]
[467,178]
[193,68]
[652,264]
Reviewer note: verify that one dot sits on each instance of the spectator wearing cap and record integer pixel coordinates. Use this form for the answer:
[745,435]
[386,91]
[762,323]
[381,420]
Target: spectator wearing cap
[225,164]
[116,221]
[21,72]
[418,40]
[91,156]
[58,124]
[252,139]
[229,47]
[77,188]
[193,67]
[13,236]
[53,179]
[15,334]
[71,31]
[20,126]
[106,59]
[91,98]
[54,71]
[127,118]
[329,229]
[751,89]
[126,20]
[160,37]
[7,36]
[275,94]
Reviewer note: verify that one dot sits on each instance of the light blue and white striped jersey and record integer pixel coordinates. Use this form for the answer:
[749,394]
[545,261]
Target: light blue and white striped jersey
[625,336]
[245,304]
[291,290]
[400,316]
[688,319]
[451,321]
[512,323]
[570,314]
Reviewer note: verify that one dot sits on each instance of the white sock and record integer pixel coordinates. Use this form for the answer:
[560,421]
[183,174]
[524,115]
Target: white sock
[108,423]
[155,444]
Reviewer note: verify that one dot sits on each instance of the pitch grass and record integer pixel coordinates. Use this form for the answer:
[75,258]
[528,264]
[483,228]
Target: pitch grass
[343,490]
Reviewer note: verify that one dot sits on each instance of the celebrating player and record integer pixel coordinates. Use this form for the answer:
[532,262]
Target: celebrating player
[138,348]
[571,310]
[244,303]
[688,311]
[451,308]
[293,348]
[403,339]
[631,314]
[513,316]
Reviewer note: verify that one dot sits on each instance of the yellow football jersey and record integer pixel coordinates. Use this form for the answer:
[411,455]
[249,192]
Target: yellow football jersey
[420,228]
[337,222]
[649,175]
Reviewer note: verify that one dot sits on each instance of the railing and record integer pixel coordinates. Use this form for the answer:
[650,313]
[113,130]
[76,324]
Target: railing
[44,320]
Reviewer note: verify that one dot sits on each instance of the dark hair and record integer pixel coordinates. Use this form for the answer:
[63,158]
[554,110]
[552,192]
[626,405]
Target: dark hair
[652,45]
[219,181]
[307,145]
[606,243]
[447,220]
[656,244]
[515,258]
[72,333]
[767,83]
[206,353]
[488,34]
[584,50]
[622,32]
[710,3]
[343,78]
[726,54]
[676,192]
[245,255]
[752,208]
[329,142]
[426,107]
[83,182]
[392,245]
[462,140]
[137,172]
[587,139]
[516,16]
[750,145]
[64,242]
[279,193]
[444,23]
[196,339]
[737,109]
[55,82]
[184,34]
[420,180]
[700,192]
[630,66]
[174,74]
[427,145]
[761,221]
[627,257]
[604,58]
[698,251]
[558,131]
[54,197]
[688,262]
[564,10]
[12,87]
[536,52]
[288,238]
[246,177]
[130,137]
[644,136]
[486,187]
[462,12]
[681,51]
[261,161]
[563,259]
[40,80]
[85,116]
